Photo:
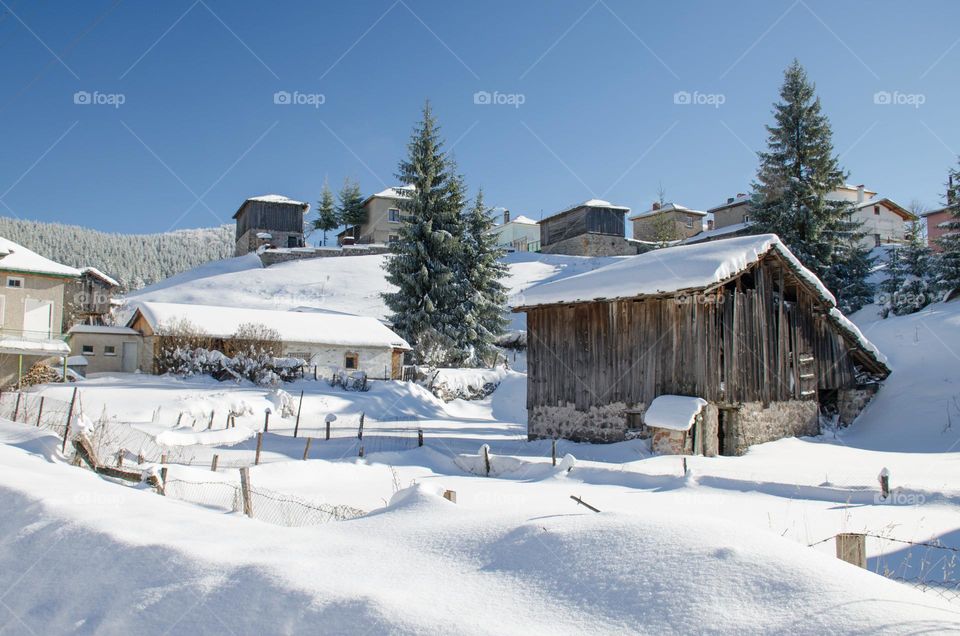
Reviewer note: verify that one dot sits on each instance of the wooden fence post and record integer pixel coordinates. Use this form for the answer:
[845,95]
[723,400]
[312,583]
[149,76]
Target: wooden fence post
[419,437]
[852,548]
[360,430]
[256,460]
[210,423]
[40,411]
[361,450]
[213,464]
[179,417]
[66,429]
[306,449]
[16,409]
[120,454]
[163,458]
[450,495]
[553,451]
[266,420]
[296,426]
[329,418]
[163,481]
[245,492]
[486,458]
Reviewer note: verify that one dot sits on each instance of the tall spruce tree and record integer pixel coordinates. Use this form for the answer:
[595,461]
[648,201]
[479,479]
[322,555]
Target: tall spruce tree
[327,216]
[796,175]
[913,263]
[948,261]
[350,207]
[482,270]
[426,308]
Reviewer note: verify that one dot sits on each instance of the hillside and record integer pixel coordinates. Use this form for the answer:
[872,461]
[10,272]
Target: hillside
[133,259]
[351,284]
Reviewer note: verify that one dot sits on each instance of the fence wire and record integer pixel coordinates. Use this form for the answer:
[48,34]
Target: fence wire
[29,408]
[268,506]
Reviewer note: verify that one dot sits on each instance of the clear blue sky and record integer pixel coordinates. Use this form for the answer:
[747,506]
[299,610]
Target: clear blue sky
[597,81]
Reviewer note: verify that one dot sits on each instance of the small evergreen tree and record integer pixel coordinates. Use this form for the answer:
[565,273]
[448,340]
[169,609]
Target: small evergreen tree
[327,216]
[665,229]
[482,269]
[796,176]
[350,208]
[425,309]
[948,261]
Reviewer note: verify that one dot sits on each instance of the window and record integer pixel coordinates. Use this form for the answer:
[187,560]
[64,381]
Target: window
[690,222]
[393,238]
[746,218]
[876,238]
[351,361]
[87,350]
[876,210]
[109,350]
[393,214]
[15,282]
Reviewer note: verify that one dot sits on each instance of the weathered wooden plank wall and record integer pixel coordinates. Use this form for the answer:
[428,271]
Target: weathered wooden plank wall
[736,344]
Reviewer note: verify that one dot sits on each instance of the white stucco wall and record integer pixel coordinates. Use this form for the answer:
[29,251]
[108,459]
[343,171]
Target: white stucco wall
[375,361]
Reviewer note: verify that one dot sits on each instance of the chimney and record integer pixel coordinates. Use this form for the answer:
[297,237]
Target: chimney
[860,193]
[709,224]
[950,190]
[655,206]
[506,216]
[729,199]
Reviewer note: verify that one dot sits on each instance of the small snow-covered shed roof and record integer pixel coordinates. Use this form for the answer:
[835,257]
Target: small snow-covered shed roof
[96,273]
[590,203]
[667,207]
[17,258]
[272,198]
[104,329]
[673,412]
[293,326]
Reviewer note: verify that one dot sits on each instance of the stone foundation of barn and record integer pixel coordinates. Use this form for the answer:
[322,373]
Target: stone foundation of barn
[851,401]
[725,431]
[596,245]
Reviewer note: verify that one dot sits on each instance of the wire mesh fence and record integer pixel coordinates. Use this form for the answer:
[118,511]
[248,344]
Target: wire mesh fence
[36,410]
[947,590]
[266,505]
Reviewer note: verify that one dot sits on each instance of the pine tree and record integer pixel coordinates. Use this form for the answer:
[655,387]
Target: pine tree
[425,309]
[948,261]
[665,229]
[797,173]
[915,292]
[327,216]
[350,208]
[482,270]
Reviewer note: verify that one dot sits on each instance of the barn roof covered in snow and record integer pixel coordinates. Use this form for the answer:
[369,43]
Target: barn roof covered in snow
[293,326]
[17,258]
[688,268]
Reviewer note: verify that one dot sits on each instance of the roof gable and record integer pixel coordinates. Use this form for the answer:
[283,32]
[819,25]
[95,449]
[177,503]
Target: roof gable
[17,258]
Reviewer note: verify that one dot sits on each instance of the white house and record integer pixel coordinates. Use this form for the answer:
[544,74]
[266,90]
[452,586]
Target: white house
[521,234]
[322,338]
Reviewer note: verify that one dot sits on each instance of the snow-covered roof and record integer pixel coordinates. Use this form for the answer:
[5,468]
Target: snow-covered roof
[720,231]
[293,326]
[673,412]
[96,273]
[77,361]
[103,329]
[278,198]
[737,200]
[892,205]
[686,267]
[394,192]
[667,207]
[17,258]
[14,345]
[668,270]
[522,219]
[590,203]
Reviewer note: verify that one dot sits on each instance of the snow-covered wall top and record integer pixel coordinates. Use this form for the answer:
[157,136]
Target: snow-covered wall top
[294,326]
[19,259]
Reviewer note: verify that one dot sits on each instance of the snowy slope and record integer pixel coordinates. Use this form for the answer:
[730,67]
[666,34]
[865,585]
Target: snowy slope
[350,284]
[127,561]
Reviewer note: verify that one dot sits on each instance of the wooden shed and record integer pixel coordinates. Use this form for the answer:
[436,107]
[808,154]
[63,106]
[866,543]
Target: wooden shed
[271,220]
[739,322]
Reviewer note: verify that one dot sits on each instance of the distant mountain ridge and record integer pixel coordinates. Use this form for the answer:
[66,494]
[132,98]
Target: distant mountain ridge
[135,260]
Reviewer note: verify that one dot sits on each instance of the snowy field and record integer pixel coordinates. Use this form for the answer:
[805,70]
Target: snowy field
[722,548]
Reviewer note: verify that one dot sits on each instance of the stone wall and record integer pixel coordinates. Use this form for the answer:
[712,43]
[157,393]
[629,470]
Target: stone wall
[754,424]
[249,241]
[607,423]
[272,257]
[851,401]
[595,245]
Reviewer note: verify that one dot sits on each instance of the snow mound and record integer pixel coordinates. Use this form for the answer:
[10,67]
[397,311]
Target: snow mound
[36,441]
[674,412]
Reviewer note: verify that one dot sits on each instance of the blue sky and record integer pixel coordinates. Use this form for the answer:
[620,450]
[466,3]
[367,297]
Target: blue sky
[198,129]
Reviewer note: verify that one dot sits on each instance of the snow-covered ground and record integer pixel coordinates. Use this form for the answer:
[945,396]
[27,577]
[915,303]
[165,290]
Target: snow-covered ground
[722,548]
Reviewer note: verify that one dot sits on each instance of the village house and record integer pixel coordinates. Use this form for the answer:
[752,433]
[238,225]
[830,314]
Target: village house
[271,221]
[883,221]
[737,323]
[520,234]
[326,340]
[89,298]
[935,221]
[31,310]
[591,228]
[104,348]
[382,219]
[670,222]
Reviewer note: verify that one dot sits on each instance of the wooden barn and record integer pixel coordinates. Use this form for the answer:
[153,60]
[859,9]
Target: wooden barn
[739,323]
